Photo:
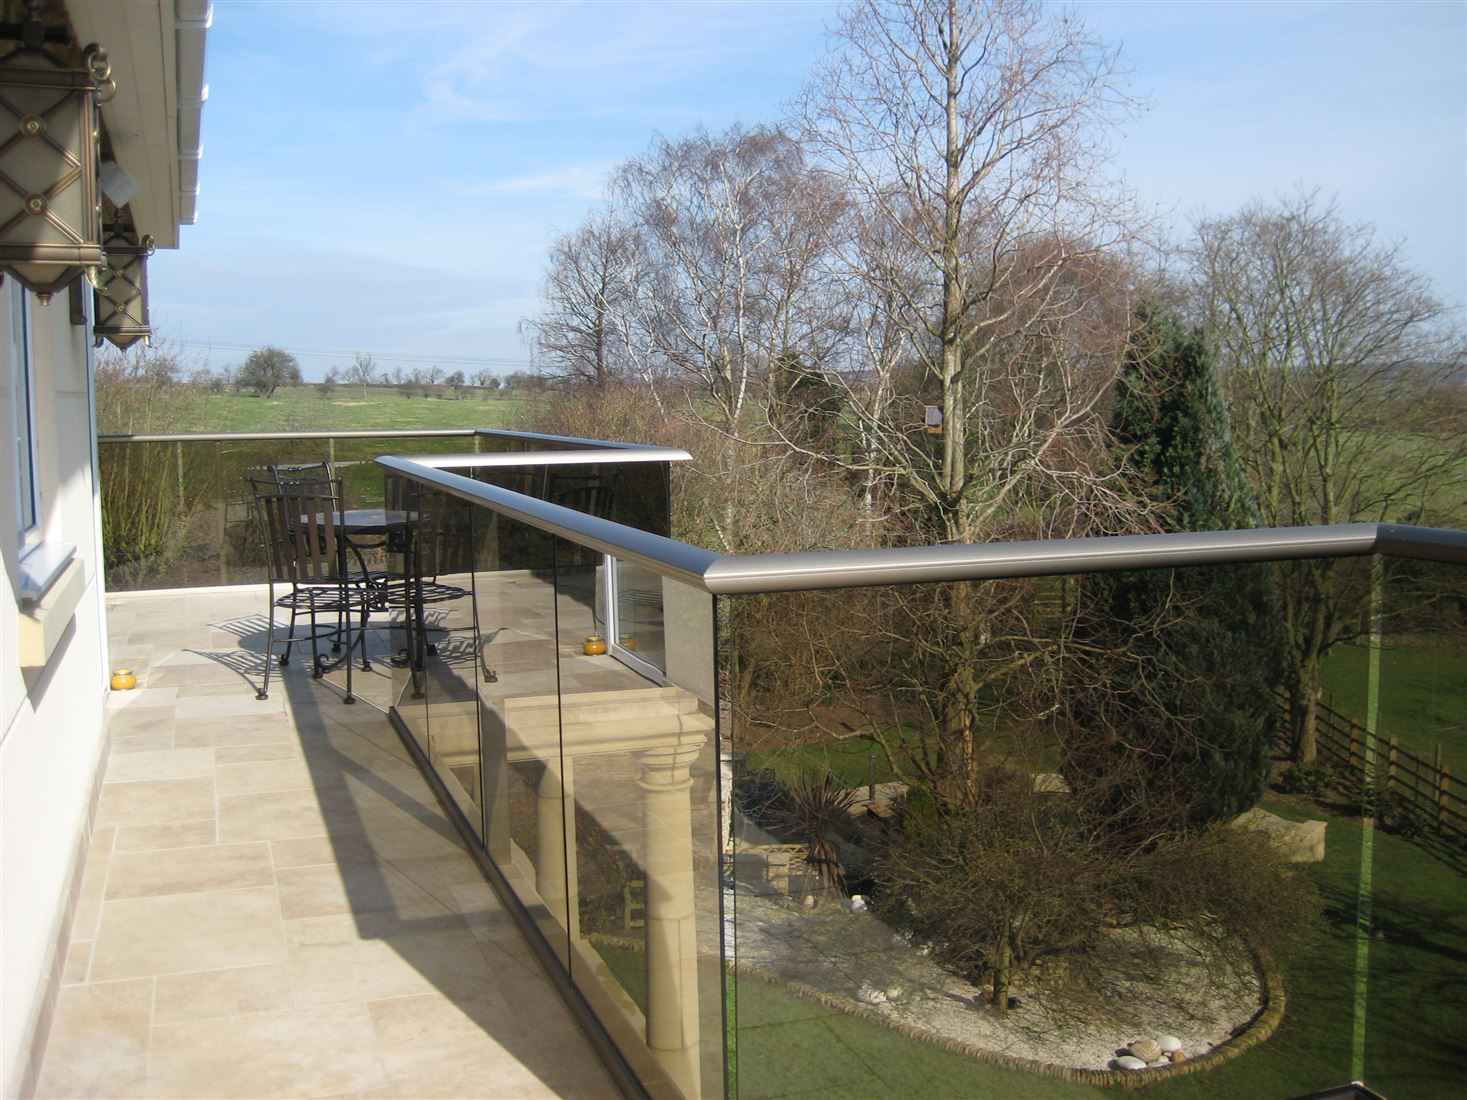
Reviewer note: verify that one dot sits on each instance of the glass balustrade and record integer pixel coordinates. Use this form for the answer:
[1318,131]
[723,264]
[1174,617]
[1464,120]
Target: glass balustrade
[176,511]
[946,838]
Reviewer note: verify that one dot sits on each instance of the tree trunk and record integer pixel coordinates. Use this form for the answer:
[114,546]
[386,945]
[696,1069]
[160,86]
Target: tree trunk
[1304,711]
[1003,964]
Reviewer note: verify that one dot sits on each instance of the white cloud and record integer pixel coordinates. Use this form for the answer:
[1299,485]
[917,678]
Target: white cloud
[586,180]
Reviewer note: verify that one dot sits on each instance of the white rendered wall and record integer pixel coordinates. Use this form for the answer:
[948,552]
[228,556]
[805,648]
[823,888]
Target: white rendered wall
[50,719]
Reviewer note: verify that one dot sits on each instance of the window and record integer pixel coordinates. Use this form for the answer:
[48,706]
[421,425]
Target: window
[23,412]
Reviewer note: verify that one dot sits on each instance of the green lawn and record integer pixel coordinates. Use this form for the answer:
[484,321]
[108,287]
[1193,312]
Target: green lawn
[303,408]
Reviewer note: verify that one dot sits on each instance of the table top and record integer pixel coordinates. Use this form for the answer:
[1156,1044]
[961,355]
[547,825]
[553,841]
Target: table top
[372,521]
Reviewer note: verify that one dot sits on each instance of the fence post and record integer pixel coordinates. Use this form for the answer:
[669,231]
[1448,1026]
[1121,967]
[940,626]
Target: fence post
[1443,787]
[1390,780]
[1354,746]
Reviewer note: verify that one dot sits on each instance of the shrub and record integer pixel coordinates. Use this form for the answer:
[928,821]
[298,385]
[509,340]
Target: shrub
[1398,814]
[1313,780]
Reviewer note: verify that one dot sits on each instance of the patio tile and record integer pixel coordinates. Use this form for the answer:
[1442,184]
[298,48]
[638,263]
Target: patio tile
[258,728]
[248,754]
[153,801]
[183,932]
[129,720]
[263,775]
[189,870]
[372,956]
[143,742]
[142,697]
[160,764]
[210,994]
[98,1044]
[313,851]
[152,838]
[185,676]
[271,815]
[435,1047]
[242,702]
[328,889]
[315,1052]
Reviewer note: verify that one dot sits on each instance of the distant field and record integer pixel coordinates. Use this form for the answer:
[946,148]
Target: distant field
[303,408]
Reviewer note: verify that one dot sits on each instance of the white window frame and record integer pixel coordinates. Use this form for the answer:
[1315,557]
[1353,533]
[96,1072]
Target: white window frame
[23,415]
[635,661]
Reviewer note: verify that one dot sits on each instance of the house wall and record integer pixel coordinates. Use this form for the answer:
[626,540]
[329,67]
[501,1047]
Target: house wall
[51,732]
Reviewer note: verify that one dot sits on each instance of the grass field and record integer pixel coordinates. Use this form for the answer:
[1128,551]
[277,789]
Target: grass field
[303,408]
[1423,695]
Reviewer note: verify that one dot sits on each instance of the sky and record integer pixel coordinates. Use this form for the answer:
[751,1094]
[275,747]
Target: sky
[387,177]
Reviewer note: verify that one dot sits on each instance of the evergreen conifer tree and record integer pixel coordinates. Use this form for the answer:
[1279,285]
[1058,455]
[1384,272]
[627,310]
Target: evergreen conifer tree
[1181,666]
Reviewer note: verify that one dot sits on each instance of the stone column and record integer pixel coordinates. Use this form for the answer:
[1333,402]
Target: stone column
[555,843]
[672,949]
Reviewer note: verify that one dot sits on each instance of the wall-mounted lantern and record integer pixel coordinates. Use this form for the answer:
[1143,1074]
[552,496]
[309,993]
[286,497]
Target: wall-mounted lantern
[933,420]
[50,214]
[122,290]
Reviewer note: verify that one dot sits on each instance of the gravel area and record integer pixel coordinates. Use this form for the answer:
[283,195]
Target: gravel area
[1154,986]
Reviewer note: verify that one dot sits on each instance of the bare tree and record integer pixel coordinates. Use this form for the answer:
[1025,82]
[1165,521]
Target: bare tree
[971,137]
[983,251]
[588,280]
[730,228]
[363,371]
[1336,356]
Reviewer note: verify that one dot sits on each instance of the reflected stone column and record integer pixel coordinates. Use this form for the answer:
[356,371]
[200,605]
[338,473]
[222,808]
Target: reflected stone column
[555,844]
[672,950]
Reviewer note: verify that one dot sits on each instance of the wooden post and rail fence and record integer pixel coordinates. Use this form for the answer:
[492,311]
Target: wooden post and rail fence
[1423,788]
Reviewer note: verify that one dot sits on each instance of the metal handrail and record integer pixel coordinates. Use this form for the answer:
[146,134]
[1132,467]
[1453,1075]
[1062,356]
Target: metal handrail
[722,574]
[233,437]
[548,458]
[564,440]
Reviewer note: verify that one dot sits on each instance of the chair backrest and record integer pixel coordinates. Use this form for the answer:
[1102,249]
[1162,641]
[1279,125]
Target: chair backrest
[302,471]
[595,495]
[442,540]
[301,530]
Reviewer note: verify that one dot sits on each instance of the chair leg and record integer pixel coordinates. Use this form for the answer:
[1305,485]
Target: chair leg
[317,671]
[264,692]
[366,615]
[485,669]
[344,617]
[289,638]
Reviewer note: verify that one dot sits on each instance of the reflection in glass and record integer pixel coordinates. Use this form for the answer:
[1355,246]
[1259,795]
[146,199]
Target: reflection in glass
[177,514]
[638,625]
[639,758]
[519,717]
[1411,956]
[890,749]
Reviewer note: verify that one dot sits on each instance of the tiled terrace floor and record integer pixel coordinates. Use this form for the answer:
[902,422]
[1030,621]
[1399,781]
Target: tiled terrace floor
[274,905]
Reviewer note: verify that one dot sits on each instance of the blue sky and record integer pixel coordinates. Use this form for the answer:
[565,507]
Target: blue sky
[385,177]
